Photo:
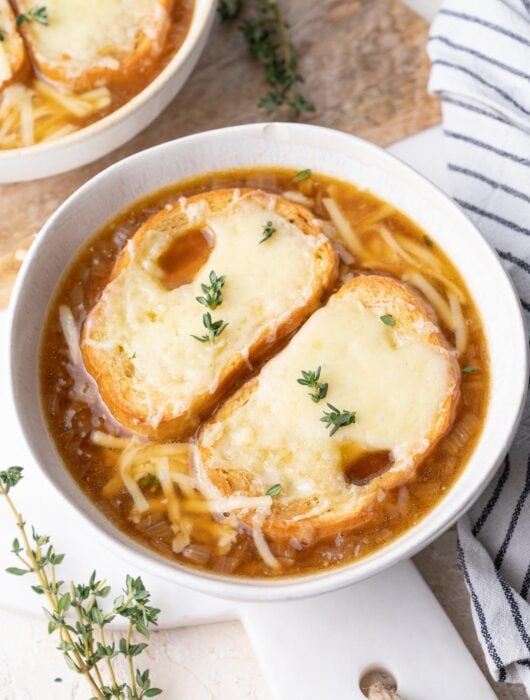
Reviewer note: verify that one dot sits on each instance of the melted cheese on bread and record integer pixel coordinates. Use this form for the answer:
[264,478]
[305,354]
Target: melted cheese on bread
[13,59]
[138,342]
[401,380]
[92,43]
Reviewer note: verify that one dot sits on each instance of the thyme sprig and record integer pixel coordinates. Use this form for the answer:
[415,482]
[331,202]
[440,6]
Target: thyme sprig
[310,379]
[337,418]
[213,328]
[76,614]
[267,37]
[39,14]
[230,9]
[2,35]
[268,231]
[214,296]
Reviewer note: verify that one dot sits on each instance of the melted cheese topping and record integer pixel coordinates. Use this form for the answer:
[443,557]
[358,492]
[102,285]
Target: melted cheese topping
[394,379]
[82,35]
[154,326]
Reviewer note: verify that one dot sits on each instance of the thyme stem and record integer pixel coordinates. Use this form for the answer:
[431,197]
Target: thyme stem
[82,652]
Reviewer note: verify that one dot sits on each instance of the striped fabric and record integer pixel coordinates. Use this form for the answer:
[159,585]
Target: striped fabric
[480,53]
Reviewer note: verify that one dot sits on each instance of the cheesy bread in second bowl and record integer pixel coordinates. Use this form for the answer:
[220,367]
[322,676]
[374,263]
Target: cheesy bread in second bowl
[202,290]
[345,412]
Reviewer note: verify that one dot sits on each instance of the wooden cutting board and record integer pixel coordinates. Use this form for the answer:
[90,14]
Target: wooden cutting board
[365,67]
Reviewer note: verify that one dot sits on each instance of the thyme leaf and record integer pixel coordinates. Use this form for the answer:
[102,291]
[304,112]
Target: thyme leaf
[274,490]
[310,379]
[39,14]
[302,175]
[214,296]
[214,329]
[268,231]
[388,320]
[336,419]
[469,370]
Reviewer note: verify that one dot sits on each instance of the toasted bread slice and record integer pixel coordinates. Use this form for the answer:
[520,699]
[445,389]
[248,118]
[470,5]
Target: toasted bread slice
[138,341]
[14,62]
[396,373]
[87,44]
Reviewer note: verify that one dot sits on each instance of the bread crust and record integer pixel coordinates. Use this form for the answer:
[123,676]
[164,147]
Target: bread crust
[372,290]
[13,46]
[123,402]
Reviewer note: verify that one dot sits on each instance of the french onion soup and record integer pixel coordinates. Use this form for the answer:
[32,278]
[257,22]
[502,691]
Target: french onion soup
[263,373]
[68,63]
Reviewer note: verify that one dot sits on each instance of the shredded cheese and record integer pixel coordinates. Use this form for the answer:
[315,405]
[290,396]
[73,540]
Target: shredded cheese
[461,333]
[343,226]
[71,333]
[433,296]
[40,112]
[392,243]
[113,442]
[261,543]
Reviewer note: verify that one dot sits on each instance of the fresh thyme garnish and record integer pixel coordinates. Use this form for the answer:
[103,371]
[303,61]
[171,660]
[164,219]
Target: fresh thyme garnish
[302,175]
[268,231]
[78,616]
[39,14]
[388,320]
[149,482]
[214,296]
[469,370]
[310,379]
[133,356]
[337,419]
[428,241]
[214,328]
[2,35]
[274,490]
[229,9]
[266,34]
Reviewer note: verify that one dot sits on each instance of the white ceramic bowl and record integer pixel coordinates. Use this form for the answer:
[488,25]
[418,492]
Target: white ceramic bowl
[326,151]
[101,137]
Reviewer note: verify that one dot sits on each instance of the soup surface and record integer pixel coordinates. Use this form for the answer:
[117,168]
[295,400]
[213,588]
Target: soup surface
[40,101]
[93,446]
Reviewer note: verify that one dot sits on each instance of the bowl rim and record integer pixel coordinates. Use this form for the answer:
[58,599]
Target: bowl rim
[245,589]
[201,13]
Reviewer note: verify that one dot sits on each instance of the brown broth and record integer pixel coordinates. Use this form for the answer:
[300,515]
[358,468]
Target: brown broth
[73,409]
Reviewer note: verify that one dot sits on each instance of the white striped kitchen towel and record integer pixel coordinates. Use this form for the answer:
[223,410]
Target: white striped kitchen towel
[480,53]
